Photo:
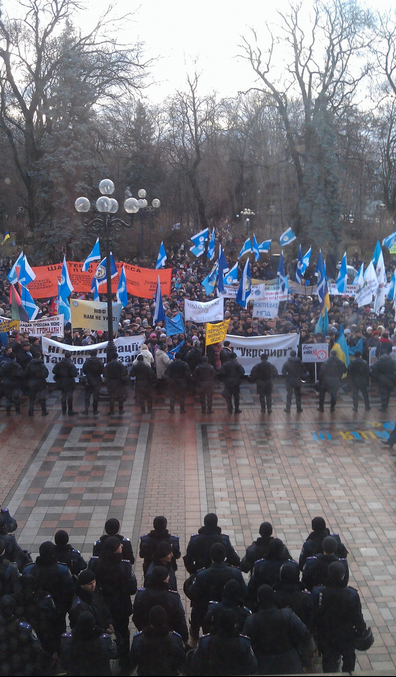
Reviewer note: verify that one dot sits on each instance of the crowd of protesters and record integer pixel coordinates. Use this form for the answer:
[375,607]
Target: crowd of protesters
[263,614]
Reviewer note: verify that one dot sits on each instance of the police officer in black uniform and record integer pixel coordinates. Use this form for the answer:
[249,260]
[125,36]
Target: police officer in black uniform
[116,377]
[112,528]
[259,548]
[156,650]
[65,373]
[359,376]
[93,370]
[159,534]
[294,370]
[315,571]
[331,373]
[35,376]
[66,554]
[12,374]
[262,374]
[204,376]
[178,373]
[231,374]
[144,381]
[384,371]
[198,549]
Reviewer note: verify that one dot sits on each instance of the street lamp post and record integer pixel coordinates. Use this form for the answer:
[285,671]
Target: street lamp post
[247,213]
[106,220]
[381,208]
[145,208]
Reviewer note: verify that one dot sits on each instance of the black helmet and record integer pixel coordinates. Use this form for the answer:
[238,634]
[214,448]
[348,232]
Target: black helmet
[365,640]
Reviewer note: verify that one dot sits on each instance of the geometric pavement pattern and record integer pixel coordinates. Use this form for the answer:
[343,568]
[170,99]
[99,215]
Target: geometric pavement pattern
[74,473]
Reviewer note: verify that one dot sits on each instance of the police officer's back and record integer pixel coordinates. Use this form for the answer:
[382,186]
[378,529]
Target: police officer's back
[112,528]
[198,549]
[156,650]
[159,534]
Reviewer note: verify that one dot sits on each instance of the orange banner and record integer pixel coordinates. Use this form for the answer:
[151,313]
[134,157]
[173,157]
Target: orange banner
[141,282]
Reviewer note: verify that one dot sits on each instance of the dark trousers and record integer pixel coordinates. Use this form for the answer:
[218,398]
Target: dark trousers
[229,393]
[331,659]
[144,395]
[40,396]
[289,394]
[197,616]
[205,392]
[177,390]
[13,396]
[355,396]
[94,391]
[385,393]
[67,395]
[323,389]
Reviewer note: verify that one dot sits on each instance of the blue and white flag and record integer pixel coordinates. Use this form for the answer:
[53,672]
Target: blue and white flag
[211,246]
[65,286]
[377,252]
[209,282]
[26,274]
[256,250]
[299,267]
[264,246]
[246,248]
[101,271]
[357,348]
[199,240]
[175,350]
[391,290]
[245,286]
[305,261]
[283,283]
[389,241]
[93,256]
[223,268]
[232,276]
[122,294]
[287,237]
[28,303]
[63,304]
[342,278]
[174,325]
[161,258]
[359,278]
[95,289]
[159,313]
[321,283]
[12,276]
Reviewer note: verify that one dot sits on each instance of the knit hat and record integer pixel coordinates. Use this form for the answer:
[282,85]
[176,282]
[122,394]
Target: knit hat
[163,550]
[112,526]
[111,544]
[336,571]
[329,545]
[85,625]
[47,552]
[318,524]
[158,616]
[61,537]
[158,575]
[160,522]
[210,520]
[265,529]
[86,576]
[289,572]
[232,589]
[265,595]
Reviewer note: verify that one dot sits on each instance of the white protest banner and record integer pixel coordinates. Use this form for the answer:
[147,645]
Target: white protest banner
[230,291]
[364,297]
[351,290]
[268,308]
[302,289]
[212,311]
[93,314]
[257,293]
[46,325]
[314,352]
[249,349]
[128,348]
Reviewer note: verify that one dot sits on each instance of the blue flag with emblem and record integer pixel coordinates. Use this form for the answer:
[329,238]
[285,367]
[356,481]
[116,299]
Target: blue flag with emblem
[287,237]
[93,256]
[389,241]
[26,274]
[211,246]
[101,271]
[377,253]
[265,246]
[210,280]
[232,276]
[199,240]
[174,325]
[161,258]
[12,276]
[245,286]
[65,286]
[222,269]
[391,290]
[246,248]
[321,282]
[342,278]
[281,274]
[63,304]
[299,266]
[95,289]
[122,294]
[255,249]
[28,303]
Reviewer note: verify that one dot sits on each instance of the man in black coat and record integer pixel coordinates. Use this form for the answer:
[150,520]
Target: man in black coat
[358,375]
[262,374]
[117,582]
[65,373]
[9,575]
[315,571]
[225,352]
[116,377]
[93,370]
[294,370]
[338,615]
[178,373]
[144,381]
[112,528]
[157,593]
[204,375]
[35,376]
[12,374]
[266,571]
[290,593]
[159,534]
[37,607]
[66,554]
[198,549]
[156,650]
[259,548]
[208,585]
[87,597]
[231,374]
[331,373]
[384,371]
[314,542]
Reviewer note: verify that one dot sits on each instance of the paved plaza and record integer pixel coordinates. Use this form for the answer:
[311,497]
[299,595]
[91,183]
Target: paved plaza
[75,472]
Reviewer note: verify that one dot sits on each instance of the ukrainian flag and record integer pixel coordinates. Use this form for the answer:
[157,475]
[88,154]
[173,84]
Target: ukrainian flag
[6,237]
[341,347]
